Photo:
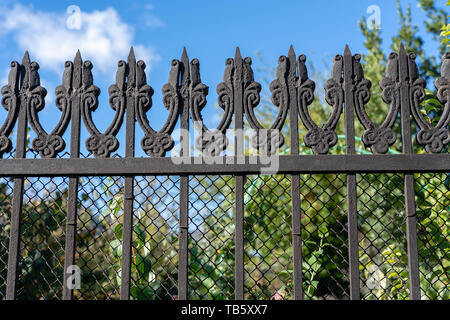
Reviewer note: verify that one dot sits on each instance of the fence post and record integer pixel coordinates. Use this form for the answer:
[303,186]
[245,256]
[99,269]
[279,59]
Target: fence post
[74,71]
[184,182]
[410,204]
[239,178]
[295,178]
[351,177]
[17,201]
[132,86]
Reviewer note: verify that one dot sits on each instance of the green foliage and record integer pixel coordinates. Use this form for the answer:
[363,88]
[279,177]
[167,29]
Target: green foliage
[151,239]
[445,33]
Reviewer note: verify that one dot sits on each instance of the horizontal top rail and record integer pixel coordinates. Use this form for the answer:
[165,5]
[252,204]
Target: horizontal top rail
[286,164]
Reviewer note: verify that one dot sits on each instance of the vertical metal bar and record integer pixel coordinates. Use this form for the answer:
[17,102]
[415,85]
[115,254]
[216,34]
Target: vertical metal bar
[295,180]
[14,242]
[411,234]
[71,220]
[410,204]
[127,233]
[127,239]
[184,181]
[239,179]
[183,240]
[17,202]
[353,245]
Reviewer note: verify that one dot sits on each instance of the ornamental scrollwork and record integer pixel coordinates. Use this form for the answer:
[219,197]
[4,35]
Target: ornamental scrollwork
[185,96]
[268,141]
[29,94]
[99,144]
[154,143]
[378,138]
[10,96]
[320,139]
[433,138]
[211,142]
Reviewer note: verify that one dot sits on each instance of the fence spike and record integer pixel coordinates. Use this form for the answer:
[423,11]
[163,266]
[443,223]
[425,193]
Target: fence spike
[347,51]
[291,52]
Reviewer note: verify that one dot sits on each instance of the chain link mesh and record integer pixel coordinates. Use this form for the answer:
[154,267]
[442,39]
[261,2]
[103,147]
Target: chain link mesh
[6,191]
[211,237]
[41,258]
[324,236]
[433,210]
[155,238]
[98,242]
[268,248]
[267,237]
[383,254]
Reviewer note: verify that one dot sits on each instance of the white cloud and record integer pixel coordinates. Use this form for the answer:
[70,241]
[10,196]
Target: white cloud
[4,77]
[152,21]
[103,37]
[50,97]
[146,16]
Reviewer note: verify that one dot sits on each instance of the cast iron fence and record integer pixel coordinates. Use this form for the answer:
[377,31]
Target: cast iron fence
[217,225]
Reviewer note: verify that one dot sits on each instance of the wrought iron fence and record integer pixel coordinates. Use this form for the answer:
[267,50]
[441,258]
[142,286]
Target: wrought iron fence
[217,226]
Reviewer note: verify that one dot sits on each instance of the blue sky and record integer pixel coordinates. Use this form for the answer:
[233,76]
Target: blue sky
[159,30]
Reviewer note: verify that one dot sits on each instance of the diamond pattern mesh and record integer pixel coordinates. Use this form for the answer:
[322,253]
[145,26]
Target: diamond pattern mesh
[98,241]
[433,210]
[268,240]
[211,237]
[267,237]
[383,254]
[324,236]
[155,238]
[41,257]
[6,190]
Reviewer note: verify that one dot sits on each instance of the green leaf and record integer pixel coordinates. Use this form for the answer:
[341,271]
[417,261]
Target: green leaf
[140,237]
[393,274]
[118,230]
[285,273]
[116,247]
[142,292]
[143,266]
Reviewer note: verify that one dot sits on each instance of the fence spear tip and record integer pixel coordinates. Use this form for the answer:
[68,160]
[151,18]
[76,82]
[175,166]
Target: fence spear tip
[237,55]
[26,58]
[78,56]
[131,56]
[291,51]
[184,56]
[402,49]
[347,50]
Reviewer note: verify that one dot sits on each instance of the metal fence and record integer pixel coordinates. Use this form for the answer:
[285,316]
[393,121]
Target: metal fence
[353,225]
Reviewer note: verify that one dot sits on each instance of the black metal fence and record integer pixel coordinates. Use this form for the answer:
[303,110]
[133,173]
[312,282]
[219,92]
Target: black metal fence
[353,225]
